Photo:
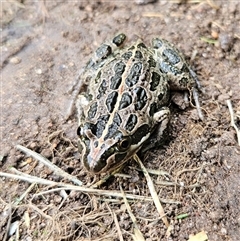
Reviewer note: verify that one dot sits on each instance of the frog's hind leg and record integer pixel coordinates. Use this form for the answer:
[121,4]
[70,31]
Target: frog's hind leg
[180,76]
[172,63]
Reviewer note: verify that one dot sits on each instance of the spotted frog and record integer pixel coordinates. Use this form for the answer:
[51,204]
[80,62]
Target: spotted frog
[124,98]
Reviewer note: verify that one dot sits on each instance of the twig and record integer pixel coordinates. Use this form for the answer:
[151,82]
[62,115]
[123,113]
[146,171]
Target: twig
[45,161]
[229,104]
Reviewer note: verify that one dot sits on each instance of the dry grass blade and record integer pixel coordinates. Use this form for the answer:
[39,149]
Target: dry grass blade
[209,2]
[153,192]
[64,186]
[152,15]
[115,194]
[137,233]
[45,161]
[24,194]
[229,104]
[17,3]
[8,223]
[28,178]
[212,4]
[158,172]
[118,227]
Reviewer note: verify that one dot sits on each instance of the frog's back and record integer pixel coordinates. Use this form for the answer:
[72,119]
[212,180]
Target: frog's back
[127,89]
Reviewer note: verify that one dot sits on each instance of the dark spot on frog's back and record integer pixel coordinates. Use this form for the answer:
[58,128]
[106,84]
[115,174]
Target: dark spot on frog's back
[99,127]
[119,39]
[141,99]
[116,80]
[127,55]
[103,51]
[153,109]
[125,101]
[132,47]
[152,62]
[160,96]
[117,119]
[135,72]
[155,81]
[88,126]
[119,68]
[113,128]
[111,101]
[138,55]
[102,89]
[131,122]
[99,74]
[92,110]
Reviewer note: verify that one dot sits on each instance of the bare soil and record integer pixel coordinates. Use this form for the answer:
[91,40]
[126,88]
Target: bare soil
[44,45]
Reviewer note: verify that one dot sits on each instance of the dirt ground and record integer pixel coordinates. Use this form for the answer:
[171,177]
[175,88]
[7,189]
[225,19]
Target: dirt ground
[44,45]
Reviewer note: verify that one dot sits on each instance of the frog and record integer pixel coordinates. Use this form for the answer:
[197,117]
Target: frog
[123,104]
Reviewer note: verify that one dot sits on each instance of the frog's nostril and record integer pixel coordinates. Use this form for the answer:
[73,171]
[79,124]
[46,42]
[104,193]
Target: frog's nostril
[95,144]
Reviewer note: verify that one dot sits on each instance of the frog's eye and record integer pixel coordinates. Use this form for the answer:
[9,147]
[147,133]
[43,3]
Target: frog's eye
[124,144]
[79,131]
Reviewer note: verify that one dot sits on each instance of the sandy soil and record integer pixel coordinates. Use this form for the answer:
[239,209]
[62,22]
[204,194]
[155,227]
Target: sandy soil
[44,45]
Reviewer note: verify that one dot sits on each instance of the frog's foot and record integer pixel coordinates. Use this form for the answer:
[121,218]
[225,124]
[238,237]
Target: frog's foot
[161,117]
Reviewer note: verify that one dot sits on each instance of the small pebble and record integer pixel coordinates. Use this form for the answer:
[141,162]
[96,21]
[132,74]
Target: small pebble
[224,231]
[214,34]
[15,60]
[225,41]
[38,71]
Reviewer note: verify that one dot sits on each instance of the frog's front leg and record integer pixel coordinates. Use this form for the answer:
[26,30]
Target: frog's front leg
[172,63]
[161,118]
